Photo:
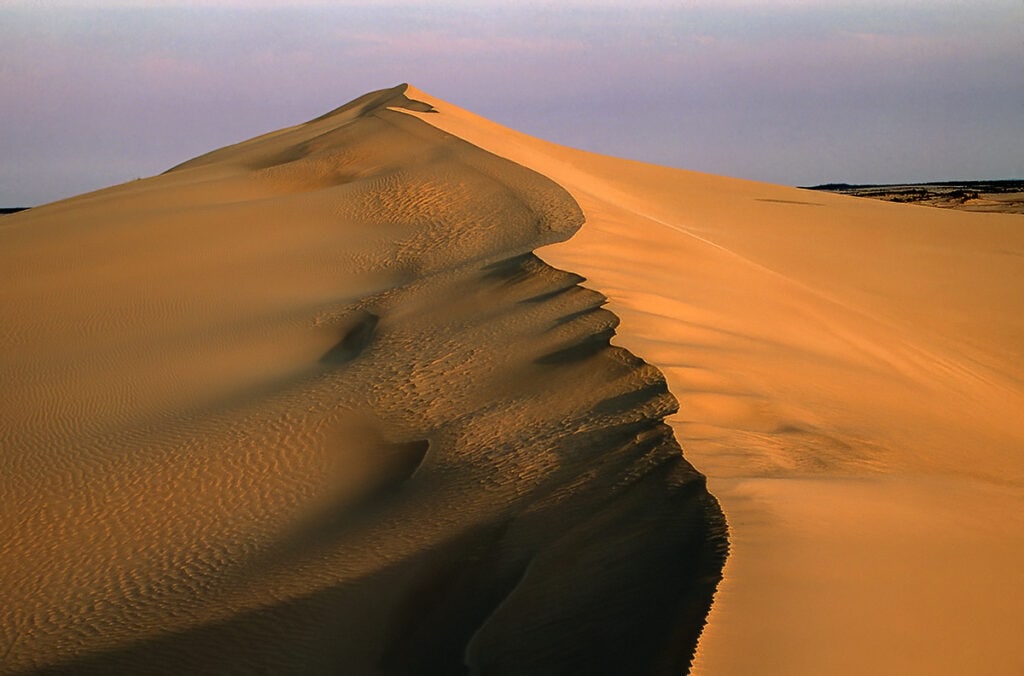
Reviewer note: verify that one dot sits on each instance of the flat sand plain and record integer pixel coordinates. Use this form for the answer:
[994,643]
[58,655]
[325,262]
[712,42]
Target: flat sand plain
[850,376]
[310,404]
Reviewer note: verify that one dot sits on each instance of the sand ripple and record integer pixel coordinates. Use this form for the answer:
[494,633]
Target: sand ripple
[310,403]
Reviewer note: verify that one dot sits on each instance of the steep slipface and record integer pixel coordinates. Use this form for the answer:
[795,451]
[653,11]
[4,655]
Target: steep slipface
[850,381]
[310,403]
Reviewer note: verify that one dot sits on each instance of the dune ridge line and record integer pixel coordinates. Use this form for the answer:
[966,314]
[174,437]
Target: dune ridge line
[311,402]
[850,382]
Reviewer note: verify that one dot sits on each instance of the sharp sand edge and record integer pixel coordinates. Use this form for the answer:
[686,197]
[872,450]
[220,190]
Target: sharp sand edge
[850,379]
[309,402]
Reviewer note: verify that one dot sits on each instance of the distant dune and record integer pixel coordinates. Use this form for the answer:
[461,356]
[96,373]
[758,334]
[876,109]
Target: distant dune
[387,392]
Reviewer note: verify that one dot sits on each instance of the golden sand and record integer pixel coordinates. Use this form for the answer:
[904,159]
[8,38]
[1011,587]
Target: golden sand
[311,403]
[850,376]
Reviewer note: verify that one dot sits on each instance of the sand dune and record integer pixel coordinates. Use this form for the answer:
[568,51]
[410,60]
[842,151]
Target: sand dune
[851,381]
[366,394]
[310,404]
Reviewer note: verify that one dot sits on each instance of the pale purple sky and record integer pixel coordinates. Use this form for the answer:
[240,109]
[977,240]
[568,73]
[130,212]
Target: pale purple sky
[789,91]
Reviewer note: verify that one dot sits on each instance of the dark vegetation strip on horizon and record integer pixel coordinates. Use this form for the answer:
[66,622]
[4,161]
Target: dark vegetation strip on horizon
[999,185]
[995,196]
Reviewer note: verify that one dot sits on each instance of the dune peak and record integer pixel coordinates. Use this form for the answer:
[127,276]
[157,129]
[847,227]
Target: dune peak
[311,403]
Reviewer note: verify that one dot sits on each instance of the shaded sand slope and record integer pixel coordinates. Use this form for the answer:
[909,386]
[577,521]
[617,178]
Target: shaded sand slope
[851,379]
[310,403]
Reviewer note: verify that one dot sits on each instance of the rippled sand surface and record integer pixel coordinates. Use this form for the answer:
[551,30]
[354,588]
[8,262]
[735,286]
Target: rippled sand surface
[310,404]
[400,390]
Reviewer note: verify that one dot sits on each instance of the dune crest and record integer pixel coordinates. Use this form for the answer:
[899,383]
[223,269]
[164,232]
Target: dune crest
[310,403]
[850,380]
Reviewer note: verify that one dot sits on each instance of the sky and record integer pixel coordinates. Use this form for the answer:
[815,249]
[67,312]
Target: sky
[797,92]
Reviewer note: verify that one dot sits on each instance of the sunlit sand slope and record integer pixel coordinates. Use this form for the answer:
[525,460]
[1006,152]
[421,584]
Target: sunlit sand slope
[309,404]
[851,380]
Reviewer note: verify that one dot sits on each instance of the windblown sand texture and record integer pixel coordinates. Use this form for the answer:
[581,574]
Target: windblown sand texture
[850,376]
[310,404]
